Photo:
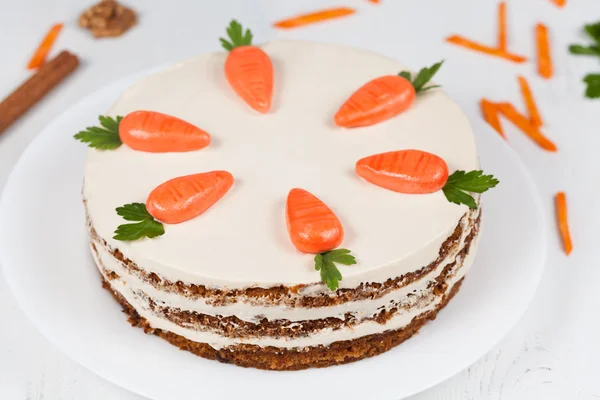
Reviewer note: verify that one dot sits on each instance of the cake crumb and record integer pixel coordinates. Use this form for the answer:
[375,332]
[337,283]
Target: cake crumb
[108,19]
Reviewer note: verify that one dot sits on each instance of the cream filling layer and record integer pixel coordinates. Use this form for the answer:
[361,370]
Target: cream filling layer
[323,337]
[245,311]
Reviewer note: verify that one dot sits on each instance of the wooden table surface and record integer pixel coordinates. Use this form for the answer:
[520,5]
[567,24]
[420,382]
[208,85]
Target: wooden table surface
[551,354]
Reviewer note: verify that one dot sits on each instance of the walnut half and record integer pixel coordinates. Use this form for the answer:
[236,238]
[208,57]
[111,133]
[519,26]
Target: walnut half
[108,19]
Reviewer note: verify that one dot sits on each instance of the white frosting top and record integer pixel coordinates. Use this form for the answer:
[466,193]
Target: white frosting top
[242,241]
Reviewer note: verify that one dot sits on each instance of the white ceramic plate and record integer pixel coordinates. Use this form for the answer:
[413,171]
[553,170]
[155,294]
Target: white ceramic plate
[46,260]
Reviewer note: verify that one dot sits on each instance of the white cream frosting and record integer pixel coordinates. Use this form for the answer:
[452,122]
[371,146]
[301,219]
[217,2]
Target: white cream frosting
[242,240]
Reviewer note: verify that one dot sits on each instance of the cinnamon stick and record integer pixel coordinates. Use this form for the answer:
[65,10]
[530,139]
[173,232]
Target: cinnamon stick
[36,87]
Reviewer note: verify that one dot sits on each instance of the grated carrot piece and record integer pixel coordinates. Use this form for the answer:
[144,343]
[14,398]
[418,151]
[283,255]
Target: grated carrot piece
[563,221]
[522,122]
[469,44]
[314,17]
[559,3]
[532,109]
[491,115]
[544,59]
[41,53]
[502,26]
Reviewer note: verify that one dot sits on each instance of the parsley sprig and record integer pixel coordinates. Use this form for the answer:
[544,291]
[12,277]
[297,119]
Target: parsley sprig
[105,137]
[146,225]
[237,36]
[460,183]
[325,263]
[592,80]
[593,86]
[422,77]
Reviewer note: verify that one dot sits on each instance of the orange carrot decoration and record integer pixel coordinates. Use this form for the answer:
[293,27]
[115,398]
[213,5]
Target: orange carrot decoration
[544,58]
[183,198]
[559,3]
[383,98]
[375,1]
[469,44]
[314,17]
[563,221]
[532,109]
[41,53]
[314,228]
[522,122]
[502,41]
[404,171]
[491,115]
[419,172]
[248,68]
[159,133]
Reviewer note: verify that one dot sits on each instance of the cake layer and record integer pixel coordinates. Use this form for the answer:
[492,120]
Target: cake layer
[276,326]
[275,358]
[241,242]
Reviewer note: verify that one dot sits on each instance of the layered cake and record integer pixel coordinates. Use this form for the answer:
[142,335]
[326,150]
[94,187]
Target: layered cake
[283,206]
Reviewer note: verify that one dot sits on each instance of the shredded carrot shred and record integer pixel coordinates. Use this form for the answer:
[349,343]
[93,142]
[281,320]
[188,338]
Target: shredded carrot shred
[560,3]
[469,44]
[522,122]
[563,221]
[532,109]
[502,26]
[314,17]
[41,53]
[544,59]
[491,115]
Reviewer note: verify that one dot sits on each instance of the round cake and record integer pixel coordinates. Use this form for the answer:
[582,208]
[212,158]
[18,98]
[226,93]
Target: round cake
[229,284]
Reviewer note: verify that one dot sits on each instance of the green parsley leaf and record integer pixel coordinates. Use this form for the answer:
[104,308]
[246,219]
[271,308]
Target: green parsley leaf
[593,86]
[406,75]
[105,138]
[460,183]
[584,50]
[425,76]
[134,212]
[146,227]
[237,36]
[149,228]
[593,30]
[325,263]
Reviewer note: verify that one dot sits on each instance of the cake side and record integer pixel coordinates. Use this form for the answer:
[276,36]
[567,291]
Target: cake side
[283,326]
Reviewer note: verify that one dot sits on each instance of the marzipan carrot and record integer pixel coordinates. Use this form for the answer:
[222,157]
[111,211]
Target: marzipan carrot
[41,53]
[491,115]
[312,226]
[383,98]
[522,122]
[469,44]
[502,26]
[563,221]
[183,198]
[544,58]
[154,132]
[248,68]
[532,109]
[314,17]
[560,3]
[376,101]
[404,171]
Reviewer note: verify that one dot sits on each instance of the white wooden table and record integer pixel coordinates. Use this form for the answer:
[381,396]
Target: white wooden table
[551,354]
